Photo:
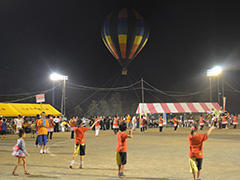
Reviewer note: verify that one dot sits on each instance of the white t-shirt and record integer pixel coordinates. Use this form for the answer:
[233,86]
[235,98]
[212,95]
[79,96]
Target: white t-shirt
[56,120]
[19,122]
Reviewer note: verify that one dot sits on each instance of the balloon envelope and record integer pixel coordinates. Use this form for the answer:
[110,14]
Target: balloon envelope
[124,33]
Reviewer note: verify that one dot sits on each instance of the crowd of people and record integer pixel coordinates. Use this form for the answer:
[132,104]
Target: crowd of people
[143,122]
[44,126]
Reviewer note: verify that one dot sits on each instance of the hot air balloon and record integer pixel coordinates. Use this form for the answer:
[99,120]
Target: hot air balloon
[124,33]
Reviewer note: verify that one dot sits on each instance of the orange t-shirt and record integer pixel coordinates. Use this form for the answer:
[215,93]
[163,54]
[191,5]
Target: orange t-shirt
[201,120]
[50,121]
[141,121]
[41,128]
[97,124]
[175,121]
[129,119]
[224,119]
[196,145]
[115,121]
[79,134]
[235,119]
[72,123]
[122,141]
[160,120]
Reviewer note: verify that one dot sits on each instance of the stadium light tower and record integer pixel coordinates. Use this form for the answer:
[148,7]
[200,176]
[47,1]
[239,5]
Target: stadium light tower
[59,77]
[214,72]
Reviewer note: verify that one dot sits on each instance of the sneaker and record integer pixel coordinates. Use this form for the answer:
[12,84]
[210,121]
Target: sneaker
[45,151]
[121,175]
[41,151]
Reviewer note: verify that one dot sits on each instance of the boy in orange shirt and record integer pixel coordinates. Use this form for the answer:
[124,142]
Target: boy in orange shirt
[235,121]
[160,123]
[80,142]
[43,126]
[196,150]
[201,122]
[121,151]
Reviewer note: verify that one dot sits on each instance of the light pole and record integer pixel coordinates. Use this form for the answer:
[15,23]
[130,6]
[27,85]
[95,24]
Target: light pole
[59,77]
[214,72]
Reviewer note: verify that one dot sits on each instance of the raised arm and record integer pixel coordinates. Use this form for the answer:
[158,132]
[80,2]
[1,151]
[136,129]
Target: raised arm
[210,130]
[130,134]
[94,124]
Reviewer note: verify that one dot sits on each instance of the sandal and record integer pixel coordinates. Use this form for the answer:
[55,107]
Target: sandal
[26,173]
[15,174]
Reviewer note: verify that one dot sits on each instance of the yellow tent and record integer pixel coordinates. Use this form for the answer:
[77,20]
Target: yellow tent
[25,109]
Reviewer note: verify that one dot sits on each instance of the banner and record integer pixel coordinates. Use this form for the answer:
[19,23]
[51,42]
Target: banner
[164,118]
[40,98]
[224,104]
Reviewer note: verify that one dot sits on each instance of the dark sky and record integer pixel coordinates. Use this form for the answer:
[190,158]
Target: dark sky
[186,38]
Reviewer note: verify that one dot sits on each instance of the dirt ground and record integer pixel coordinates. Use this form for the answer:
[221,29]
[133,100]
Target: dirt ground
[151,155]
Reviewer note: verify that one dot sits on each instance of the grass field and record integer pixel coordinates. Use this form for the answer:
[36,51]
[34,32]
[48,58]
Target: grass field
[151,156]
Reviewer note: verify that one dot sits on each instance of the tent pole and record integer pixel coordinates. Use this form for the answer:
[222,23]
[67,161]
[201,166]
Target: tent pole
[142,90]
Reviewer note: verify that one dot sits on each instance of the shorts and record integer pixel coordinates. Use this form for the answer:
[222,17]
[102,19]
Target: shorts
[121,158]
[80,147]
[42,139]
[224,125]
[195,164]
[3,132]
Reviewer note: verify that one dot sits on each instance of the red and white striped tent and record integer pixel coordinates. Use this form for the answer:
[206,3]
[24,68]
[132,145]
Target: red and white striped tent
[153,108]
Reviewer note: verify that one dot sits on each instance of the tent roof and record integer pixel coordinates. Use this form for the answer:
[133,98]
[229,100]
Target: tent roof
[196,107]
[25,109]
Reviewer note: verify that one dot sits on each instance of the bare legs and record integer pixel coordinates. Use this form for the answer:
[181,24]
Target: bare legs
[24,166]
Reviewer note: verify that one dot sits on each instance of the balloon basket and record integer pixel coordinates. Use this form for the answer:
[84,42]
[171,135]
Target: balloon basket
[124,72]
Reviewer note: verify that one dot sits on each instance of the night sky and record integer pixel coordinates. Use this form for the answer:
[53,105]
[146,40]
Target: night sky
[186,38]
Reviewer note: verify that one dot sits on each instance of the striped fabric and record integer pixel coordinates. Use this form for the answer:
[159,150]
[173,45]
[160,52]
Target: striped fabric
[124,33]
[153,108]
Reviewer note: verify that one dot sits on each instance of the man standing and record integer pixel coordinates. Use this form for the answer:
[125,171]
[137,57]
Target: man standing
[19,123]
[43,125]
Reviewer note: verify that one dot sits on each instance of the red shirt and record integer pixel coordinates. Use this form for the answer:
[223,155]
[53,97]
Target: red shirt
[201,120]
[97,124]
[196,145]
[141,121]
[115,121]
[122,141]
[72,123]
[50,123]
[235,119]
[224,119]
[175,121]
[160,121]
[79,134]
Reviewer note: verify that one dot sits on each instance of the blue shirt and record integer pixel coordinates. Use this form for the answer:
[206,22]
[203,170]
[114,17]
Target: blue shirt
[4,126]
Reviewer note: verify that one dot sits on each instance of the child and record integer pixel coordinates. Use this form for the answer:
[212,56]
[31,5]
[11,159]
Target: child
[160,123]
[235,121]
[141,122]
[175,123]
[50,128]
[121,155]
[4,129]
[196,150]
[115,125]
[20,152]
[80,142]
[72,123]
[201,122]
[97,126]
